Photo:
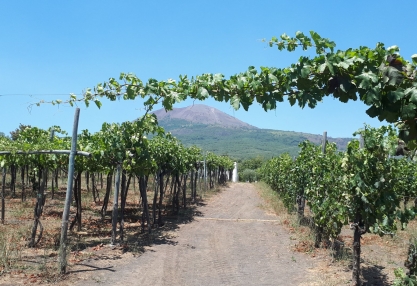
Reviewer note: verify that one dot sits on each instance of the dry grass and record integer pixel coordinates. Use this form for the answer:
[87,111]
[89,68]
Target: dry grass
[18,263]
[380,255]
[302,234]
[12,244]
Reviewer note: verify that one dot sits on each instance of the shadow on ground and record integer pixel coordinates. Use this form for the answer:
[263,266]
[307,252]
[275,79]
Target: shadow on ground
[137,239]
[373,275]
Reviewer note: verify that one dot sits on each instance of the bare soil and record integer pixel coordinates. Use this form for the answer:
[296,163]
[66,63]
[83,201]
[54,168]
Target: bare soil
[232,240]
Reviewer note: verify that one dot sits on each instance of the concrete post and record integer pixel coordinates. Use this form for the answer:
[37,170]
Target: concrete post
[235,175]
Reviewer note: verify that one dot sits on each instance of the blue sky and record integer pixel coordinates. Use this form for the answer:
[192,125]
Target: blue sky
[50,49]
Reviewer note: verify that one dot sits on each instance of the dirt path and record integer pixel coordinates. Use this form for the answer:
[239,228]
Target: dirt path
[233,242]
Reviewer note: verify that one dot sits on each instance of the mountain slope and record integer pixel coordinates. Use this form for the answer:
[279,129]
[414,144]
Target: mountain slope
[213,130]
[203,114]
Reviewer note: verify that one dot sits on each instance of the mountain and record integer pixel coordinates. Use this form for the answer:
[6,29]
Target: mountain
[202,114]
[215,131]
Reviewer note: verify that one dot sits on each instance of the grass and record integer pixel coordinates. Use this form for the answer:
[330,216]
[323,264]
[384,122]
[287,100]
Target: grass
[303,234]
[273,201]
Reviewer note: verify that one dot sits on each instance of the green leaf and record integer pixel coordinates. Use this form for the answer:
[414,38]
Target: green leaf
[304,71]
[346,63]
[389,116]
[392,76]
[343,97]
[385,221]
[284,37]
[330,66]
[235,102]
[202,93]
[345,84]
[394,96]
[299,35]
[316,38]
[373,111]
[372,96]
[414,58]
[292,100]
[303,84]
[408,111]
[218,77]
[98,103]
[266,106]
[322,68]
[366,79]
[412,94]
[130,92]
[393,49]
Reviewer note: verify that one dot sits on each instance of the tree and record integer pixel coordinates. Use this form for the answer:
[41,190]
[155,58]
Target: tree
[252,163]
[248,168]
[248,175]
[15,134]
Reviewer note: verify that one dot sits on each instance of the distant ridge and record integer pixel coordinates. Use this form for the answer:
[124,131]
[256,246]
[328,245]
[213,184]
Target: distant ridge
[202,114]
[215,131]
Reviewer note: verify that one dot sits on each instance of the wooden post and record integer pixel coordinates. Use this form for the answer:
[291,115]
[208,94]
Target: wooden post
[3,187]
[324,142]
[357,234]
[115,205]
[65,216]
[40,201]
[319,230]
[205,172]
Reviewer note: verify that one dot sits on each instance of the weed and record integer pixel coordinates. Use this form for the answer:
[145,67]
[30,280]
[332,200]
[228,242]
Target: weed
[12,242]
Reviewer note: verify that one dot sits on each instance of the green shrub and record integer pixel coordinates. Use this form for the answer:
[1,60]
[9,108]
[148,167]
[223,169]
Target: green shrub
[248,175]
